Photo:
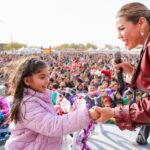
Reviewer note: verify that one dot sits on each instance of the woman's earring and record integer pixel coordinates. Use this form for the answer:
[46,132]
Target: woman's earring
[142,33]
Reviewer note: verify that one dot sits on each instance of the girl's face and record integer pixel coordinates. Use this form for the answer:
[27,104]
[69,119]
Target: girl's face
[104,93]
[105,84]
[115,86]
[129,96]
[118,96]
[96,81]
[91,88]
[107,104]
[38,81]
[128,32]
[80,87]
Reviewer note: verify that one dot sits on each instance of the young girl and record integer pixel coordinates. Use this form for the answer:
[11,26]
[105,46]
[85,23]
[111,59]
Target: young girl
[34,123]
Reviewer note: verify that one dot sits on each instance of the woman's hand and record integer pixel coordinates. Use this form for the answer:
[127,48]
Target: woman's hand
[127,67]
[105,113]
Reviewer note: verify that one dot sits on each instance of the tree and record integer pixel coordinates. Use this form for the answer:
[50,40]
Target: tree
[74,46]
[89,45]
[108,46]
[14,45]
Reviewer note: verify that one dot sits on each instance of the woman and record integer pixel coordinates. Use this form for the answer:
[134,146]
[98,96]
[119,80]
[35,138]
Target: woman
[133,24]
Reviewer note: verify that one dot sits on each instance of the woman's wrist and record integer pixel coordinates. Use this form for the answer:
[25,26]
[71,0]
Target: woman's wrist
[130,76]
[113,112]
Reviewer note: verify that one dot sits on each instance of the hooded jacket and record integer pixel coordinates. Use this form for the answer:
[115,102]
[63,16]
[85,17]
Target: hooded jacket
[39,127]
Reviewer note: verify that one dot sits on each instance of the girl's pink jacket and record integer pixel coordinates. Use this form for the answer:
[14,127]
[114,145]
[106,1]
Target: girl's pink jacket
[40,128]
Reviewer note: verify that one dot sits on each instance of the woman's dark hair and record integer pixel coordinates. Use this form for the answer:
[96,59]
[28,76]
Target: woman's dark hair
[27,68]
[133,12]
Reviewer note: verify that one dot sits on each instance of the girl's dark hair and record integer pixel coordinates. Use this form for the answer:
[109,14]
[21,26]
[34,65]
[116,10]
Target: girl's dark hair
[133,12]
[27,68]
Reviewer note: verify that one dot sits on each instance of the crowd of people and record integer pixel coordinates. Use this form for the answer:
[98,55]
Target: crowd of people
[72,76]
[77,80]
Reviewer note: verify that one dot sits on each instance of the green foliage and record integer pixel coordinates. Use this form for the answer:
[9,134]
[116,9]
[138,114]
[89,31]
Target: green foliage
[89,45]
[73,46]
[117,47]
[14,45]
[108,46]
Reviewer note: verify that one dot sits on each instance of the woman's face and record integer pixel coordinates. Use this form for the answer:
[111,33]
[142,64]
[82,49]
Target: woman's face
[128,32]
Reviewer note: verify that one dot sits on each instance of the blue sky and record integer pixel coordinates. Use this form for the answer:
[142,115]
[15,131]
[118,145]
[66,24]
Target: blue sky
[53,22]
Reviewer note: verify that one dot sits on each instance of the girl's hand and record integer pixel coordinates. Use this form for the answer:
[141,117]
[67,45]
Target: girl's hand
[94,115]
